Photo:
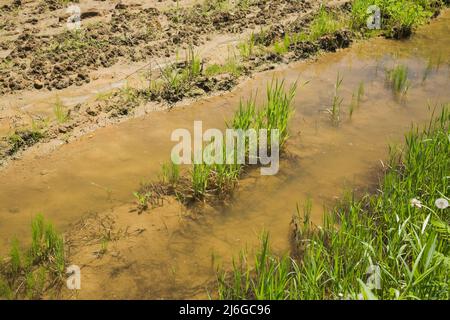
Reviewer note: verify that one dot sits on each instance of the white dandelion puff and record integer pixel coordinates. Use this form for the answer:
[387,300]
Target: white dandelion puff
[441,203]
[416,203]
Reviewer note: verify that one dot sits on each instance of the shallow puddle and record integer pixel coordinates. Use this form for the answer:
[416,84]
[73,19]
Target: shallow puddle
[99,172]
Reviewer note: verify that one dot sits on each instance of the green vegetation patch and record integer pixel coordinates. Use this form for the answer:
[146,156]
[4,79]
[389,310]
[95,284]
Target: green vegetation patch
[32,273]
[399,18]
[23,138]
[389,245]
[217,181]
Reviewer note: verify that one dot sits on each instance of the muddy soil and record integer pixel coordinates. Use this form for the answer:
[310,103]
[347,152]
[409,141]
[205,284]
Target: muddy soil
[123,45]
[85,187]
[58,58]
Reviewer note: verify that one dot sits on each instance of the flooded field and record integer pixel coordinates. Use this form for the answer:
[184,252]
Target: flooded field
[86,187]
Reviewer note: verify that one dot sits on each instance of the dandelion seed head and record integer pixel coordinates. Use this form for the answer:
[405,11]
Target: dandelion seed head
[416,203]
[442,203]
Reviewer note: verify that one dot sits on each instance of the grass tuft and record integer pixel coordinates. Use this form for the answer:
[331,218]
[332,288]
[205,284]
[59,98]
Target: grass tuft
[398,79]
[335,109]
[32,273]
[325,22]
[60,112]
[398,18]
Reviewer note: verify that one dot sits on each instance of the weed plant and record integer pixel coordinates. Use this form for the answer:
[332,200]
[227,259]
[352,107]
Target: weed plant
[33,272]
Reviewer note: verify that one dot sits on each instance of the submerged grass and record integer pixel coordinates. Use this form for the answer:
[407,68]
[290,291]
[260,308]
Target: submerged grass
[389,245]
[278,110]
[200,176]
[397,78]
[170,173]
[335,109]
[32,273]
[356,99]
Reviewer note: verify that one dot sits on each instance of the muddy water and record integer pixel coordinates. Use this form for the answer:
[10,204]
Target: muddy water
[99,172]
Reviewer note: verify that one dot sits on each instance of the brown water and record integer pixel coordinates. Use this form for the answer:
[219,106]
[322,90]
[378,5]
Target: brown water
[98,173]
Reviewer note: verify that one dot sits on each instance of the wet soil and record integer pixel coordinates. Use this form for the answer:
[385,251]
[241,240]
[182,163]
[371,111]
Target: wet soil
[118,46]
[133,32]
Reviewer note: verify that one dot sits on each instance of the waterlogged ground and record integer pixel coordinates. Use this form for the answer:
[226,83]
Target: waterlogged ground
[172,252]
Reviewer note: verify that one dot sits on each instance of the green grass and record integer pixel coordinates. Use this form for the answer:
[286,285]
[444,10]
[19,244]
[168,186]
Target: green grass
[359,13]
[335,109]
[231,66]
[142,198]
[31,273]
[274,114]
[60,112]
[226,176]
[22,138]
[170,173]
[404,16]
[193,65]
[278,109]
[200,177]
[217,181]
[47,245]
[247,47]
[398,230]
[244,117]
[427,71]
[177,79]
[129,94]
[325,22]
[282,47]
[269,279]
[104,96]
[356,99]
[397,78]
[361,92]
[15,255]
[245,4]
[399,17]
[433,64]
[76,40]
